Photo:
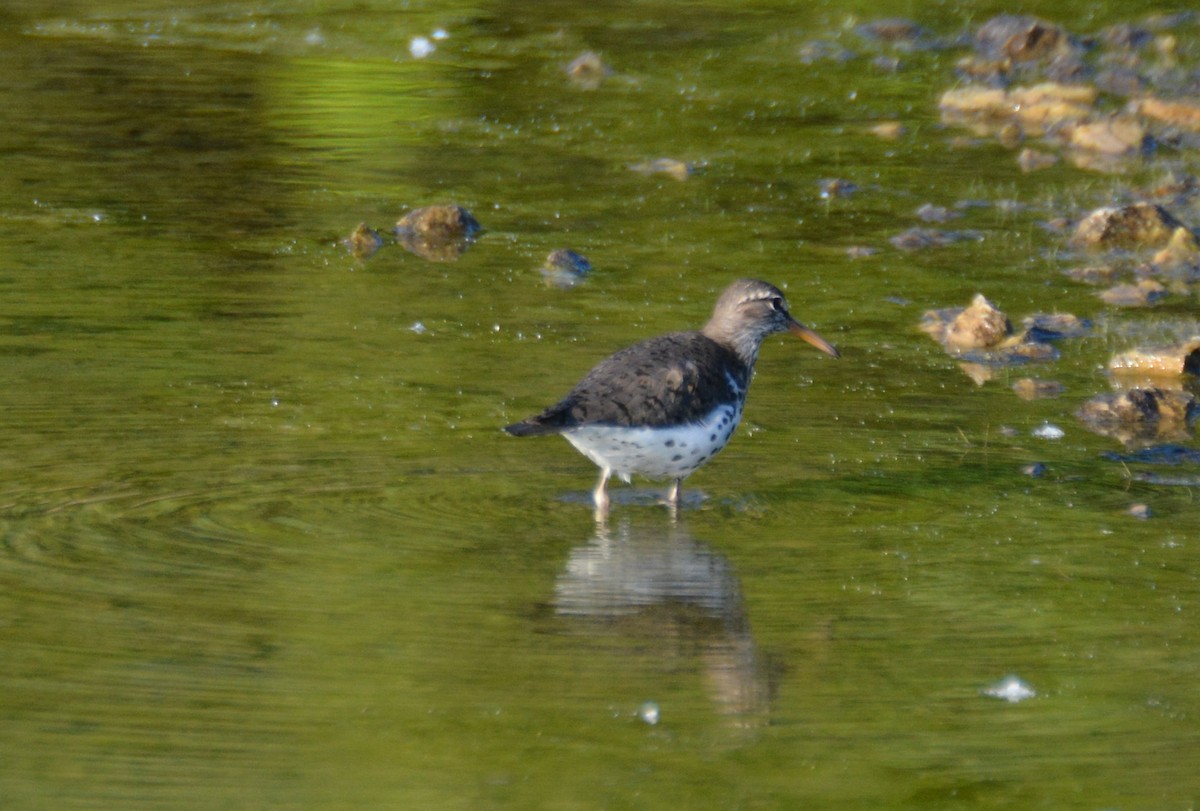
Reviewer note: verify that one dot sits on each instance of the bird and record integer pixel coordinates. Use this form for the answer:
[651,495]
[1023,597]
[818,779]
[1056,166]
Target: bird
[663,407]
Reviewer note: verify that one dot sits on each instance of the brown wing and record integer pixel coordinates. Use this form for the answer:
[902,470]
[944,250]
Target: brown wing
[676,378]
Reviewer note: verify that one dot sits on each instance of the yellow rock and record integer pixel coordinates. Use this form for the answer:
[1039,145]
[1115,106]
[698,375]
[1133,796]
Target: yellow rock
[1035,108]
[670,167]
[979,326]
[1143,294]
[1182,251]
[1111,136]
[1028,388]
[1168,361]
[1185,114]
[975,100]
[889,130]
[1047,92]
[1049,104]
[1138,225]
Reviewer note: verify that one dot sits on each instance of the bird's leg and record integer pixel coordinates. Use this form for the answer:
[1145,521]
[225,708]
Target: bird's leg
[673,500]
[673,493]
[600,494]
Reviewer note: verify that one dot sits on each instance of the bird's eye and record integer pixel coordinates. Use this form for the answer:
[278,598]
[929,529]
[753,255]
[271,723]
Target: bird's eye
[777,304]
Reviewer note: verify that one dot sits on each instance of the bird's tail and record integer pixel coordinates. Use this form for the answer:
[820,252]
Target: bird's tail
[530,428]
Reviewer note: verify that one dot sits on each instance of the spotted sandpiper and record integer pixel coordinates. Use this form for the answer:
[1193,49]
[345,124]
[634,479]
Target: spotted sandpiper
[664,407]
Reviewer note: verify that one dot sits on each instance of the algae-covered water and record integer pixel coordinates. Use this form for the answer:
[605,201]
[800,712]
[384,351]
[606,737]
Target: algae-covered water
[264,544]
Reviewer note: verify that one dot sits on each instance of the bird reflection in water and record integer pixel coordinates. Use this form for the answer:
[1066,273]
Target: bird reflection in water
[658,584]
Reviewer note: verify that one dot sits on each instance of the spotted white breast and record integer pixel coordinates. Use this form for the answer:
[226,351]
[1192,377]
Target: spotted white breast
[668,452]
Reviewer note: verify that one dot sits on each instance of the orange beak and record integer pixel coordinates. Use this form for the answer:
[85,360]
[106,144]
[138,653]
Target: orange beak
[804,333]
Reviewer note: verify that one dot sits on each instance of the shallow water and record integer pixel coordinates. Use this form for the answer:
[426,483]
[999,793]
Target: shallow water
[265,546]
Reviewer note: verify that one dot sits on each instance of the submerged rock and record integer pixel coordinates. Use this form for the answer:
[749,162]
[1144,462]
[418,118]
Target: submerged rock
[836,187]
[1140,510]
[1010,135]
[1175,188]
[1026,348]
[564,268]
[1092,274]
[1116,135]
[889,130]
[588,71]
[439,233]
[1140,415]
[1020,38]
[1035,110]
[1003,96]
[892,30]
[1051,104]
[1031,160]
[964,102]
[823,50]
[886,62]
[1182,252]
[363,242]
[440,222]
[1168,454]
[676,169]
[1125,35]
[1055,326]
[1182,114]
[1174,360]
[979,373]
[1145,293]
[1028,388]
[1137,225]
[915,239]
[931,213]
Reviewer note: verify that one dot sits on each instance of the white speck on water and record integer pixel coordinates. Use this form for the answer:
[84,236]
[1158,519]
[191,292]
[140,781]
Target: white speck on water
[439,33]
[314,38]
[648,712]
[421,47]
[418,328]
[1049,431]
[495,327]
[1011,689]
